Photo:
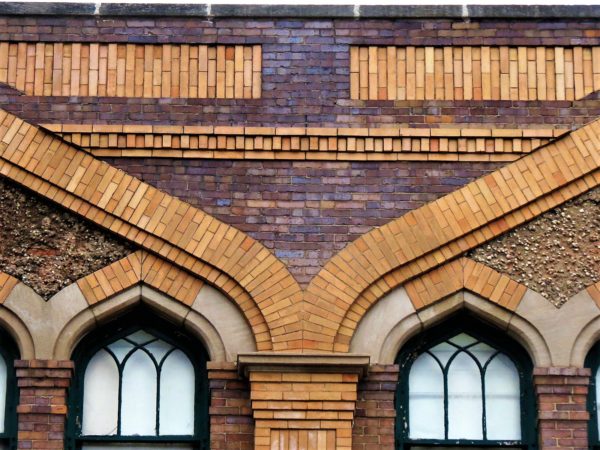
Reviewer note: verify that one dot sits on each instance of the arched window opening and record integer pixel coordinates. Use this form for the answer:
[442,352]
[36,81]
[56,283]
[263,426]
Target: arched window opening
[462,385]
[139,382]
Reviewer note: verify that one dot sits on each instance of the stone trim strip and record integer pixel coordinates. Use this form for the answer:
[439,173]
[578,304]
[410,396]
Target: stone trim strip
[338,144]
[425,238]
[157,222]
[473,73]
[7,283]
[467,274]
[460,12]
[132,70]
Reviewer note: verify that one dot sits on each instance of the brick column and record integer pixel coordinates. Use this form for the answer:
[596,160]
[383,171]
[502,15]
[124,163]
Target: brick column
[374,421]
[231,422]
[562,402]
[42,405]
[303,402]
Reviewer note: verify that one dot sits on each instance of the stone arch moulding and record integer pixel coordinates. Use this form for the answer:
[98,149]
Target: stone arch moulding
[423,239]
[55,326]
[590,333]
[159,223]
[429,299]
[10,321]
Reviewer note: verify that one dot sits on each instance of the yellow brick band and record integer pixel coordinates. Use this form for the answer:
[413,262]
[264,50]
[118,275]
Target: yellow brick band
[352,144]
[473,73]
[132,70]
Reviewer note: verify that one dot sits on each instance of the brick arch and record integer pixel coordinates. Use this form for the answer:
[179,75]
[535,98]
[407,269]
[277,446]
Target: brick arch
[155,221]
[423,239]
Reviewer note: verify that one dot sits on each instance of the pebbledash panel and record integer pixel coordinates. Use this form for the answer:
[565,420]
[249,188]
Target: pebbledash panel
[301,137]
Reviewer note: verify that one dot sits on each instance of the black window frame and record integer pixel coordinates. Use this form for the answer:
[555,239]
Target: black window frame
[139,319]
[465,322]
[10,352]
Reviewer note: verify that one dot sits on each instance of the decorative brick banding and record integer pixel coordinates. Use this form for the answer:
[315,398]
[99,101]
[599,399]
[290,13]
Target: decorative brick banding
[284,143]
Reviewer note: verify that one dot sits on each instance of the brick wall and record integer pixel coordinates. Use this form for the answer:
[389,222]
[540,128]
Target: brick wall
[305,71]
[562,395]
[374,422]
[42,403]
[231,422]
[305,211]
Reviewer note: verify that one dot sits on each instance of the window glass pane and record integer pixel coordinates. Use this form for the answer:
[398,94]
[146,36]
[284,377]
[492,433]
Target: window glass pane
[2,393]
[443,352]
[177,395]
[465,407]
[138,398]
[158,349]
[120,349]
[463,339]
[136,446]
[100,395]
[482,352]
[426,399]
[502,396]
[141,337]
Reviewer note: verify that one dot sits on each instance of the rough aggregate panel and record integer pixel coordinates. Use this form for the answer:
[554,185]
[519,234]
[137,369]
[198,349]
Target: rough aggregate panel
[47,248]
[556,254]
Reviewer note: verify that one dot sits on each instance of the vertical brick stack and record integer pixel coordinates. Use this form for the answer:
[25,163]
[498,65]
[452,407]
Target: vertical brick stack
[42,405]
[304,411]
[375,411]
[562,402]
[231,423]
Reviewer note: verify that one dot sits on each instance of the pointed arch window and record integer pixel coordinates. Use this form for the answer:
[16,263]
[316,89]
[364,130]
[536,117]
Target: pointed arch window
[462,386]
[143,386]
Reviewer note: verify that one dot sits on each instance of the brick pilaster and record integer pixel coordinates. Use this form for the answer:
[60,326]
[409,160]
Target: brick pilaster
[42,405]
[231,422]
[375,409]
[562,403]
[303,401]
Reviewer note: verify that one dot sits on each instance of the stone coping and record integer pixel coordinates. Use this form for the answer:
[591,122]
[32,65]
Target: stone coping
[303,362]
[527,12]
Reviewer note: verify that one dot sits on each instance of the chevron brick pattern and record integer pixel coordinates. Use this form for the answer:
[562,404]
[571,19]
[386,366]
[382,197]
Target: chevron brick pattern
[132,70]
[467,274]
[140,267]
[473,73]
